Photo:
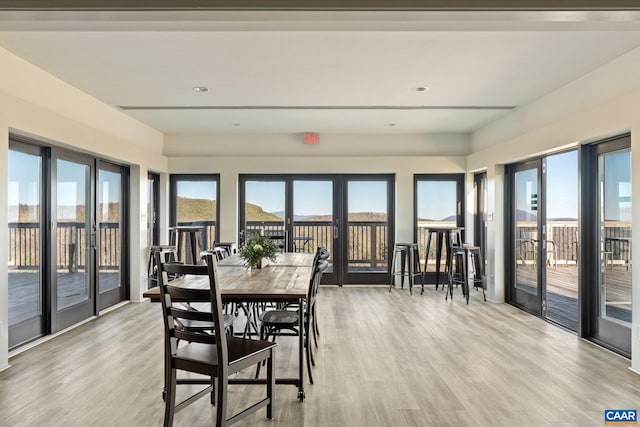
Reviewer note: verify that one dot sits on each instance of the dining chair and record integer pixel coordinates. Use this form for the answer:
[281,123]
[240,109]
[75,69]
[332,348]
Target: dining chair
[215,355]
[322,254]
[274,322]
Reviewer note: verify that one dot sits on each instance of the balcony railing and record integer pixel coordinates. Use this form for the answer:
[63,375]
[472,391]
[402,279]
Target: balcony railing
[24,246]
[368,245]
[367,239]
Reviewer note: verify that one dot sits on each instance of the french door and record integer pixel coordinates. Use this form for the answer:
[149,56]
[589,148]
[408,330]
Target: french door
[74,235]
[26,216]
[67,235]
[608,280]
[352,215]
[543,237]
[526,237]
[481,196]
[110,234]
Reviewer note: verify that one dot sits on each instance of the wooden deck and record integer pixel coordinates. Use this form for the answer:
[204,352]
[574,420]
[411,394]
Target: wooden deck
[24,292]
[562,291]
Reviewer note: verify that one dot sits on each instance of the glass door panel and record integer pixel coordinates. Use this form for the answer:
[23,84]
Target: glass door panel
[561,245]
[194,203]
[153,209]
[265,210]
[614,200]
[481,196]
[526,285]
[313,216]
[26,303]
[74,242]
[439,203]
[110,232]
[367,207]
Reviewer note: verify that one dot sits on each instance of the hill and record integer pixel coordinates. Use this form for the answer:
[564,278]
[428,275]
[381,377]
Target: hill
[200,209]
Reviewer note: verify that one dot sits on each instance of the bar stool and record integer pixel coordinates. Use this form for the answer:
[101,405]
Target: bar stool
[186,239]
[460,270]
[168,255]
[409,257]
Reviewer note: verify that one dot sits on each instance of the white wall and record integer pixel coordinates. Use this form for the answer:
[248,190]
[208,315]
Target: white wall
[36,104]
[351,145]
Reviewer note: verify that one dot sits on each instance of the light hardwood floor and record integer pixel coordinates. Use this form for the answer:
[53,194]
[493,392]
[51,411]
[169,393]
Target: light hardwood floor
[385,359]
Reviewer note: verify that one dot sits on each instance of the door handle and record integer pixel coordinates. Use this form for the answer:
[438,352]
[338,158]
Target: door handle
[335,231]
[92,242]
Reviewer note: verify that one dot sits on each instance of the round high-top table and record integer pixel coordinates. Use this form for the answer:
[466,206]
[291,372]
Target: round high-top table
[443,237]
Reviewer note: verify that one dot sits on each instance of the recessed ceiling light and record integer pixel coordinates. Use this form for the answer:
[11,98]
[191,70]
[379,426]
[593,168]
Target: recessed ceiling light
[201,89]
[422,89]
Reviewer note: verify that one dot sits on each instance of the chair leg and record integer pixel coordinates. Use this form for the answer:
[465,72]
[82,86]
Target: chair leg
[263,337]
[308,339]
[170,398]
[271,381]
[308,351]
[213,390]
[221,411]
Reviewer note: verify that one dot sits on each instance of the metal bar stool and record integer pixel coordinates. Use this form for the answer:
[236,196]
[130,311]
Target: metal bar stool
[460,270]
[409,258]
[168,254]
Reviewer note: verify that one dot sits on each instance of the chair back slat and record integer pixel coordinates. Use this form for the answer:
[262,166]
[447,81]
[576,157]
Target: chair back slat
[200,337]
[190,314]
[171,294]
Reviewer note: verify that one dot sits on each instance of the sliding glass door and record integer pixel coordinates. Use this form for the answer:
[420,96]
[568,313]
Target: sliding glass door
[26,243]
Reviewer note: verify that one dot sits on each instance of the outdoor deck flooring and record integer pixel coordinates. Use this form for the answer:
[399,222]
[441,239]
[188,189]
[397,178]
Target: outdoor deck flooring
[24,292]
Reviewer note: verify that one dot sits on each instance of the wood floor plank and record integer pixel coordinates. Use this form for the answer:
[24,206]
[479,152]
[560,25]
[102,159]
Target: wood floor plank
[384,359]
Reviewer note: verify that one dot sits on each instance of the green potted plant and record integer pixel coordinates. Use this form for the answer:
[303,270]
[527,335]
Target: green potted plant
[257,247]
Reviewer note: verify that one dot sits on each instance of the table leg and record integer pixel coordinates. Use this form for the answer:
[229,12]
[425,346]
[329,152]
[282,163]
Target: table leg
[426,260]
[439,242]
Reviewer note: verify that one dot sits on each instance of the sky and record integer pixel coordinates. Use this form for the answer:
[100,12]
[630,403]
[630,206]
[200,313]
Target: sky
[316,197]
[436,199]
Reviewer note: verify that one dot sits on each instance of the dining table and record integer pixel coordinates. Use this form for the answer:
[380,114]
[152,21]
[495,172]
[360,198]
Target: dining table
[285,280]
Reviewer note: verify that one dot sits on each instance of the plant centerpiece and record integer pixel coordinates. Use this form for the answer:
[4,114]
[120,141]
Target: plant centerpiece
[257,247]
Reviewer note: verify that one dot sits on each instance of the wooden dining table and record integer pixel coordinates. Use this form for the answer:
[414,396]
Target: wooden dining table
[285,280]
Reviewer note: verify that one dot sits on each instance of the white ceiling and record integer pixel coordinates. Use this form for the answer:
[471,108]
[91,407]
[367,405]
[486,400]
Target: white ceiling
[338,72]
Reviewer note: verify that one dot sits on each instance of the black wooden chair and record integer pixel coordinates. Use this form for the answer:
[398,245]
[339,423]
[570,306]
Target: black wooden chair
[274,322]
[322,254]
[214,355]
